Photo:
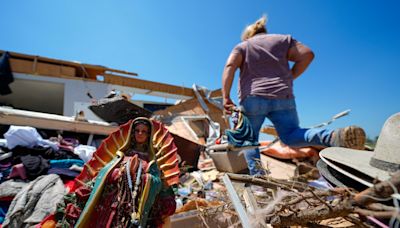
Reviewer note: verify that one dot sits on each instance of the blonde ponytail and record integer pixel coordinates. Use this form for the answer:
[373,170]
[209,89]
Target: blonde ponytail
[255,28]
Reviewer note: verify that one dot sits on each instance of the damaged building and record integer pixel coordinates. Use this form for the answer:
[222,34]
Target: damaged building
[69,128]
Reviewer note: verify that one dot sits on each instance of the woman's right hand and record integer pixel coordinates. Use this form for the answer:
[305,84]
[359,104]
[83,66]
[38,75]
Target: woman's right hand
[228,105]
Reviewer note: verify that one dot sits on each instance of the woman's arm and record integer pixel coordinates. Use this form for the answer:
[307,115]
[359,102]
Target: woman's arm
[232,64]
[302,56]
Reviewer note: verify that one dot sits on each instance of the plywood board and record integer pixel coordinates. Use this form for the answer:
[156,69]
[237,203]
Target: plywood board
[279,169]
[54,122]
[46,69]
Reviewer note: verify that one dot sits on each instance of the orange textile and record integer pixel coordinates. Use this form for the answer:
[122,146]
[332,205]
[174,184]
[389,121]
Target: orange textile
[282,151]
[48,222]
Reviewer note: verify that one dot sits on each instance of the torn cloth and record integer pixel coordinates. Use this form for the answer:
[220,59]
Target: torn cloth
[243,134]
[35,201]
[11,188]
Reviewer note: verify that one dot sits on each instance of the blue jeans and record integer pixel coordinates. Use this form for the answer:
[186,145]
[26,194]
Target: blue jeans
[283,115]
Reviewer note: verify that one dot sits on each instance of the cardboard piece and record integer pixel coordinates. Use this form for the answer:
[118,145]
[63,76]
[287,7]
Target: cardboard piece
[229,161]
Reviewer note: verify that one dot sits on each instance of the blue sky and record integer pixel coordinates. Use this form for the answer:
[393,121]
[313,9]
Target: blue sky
[356,45]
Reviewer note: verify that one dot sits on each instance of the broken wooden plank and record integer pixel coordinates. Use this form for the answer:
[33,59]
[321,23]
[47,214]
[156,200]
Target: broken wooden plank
[36,58]
[250,200]
[148,85]
[236,202]
[10,116]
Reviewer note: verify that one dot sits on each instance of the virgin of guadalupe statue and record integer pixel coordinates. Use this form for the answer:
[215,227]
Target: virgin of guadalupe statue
[129,181]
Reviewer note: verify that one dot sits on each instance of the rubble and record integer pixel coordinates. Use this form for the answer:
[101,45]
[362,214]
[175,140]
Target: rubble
[290,200]
[212,189]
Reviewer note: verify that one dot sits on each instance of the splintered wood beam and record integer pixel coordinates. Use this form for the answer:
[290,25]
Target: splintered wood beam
[216,93]
[66,63]
[236,202]
[53,122]
[251,203]
[148,85]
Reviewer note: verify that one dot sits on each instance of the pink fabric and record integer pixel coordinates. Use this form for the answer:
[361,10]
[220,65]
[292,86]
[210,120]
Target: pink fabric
[18,171]
[83,193]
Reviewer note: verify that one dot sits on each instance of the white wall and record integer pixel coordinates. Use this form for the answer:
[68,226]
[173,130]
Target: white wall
[75,93]
[33,95]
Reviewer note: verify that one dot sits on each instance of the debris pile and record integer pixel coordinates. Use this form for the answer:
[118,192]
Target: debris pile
[43,171]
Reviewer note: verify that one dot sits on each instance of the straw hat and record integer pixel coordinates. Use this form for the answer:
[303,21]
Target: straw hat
[365,166]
